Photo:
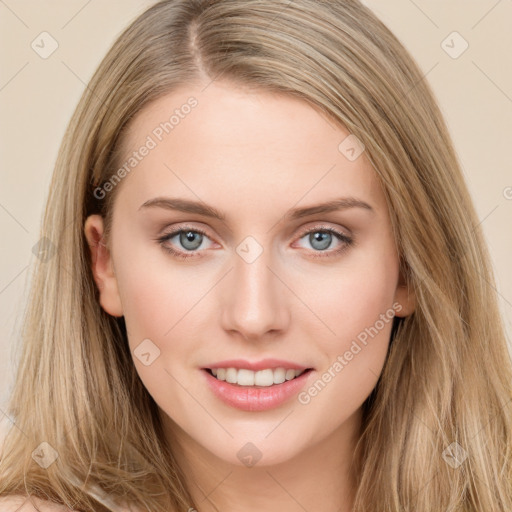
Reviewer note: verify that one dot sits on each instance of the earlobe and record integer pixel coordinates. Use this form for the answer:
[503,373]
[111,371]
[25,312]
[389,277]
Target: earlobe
[102,267]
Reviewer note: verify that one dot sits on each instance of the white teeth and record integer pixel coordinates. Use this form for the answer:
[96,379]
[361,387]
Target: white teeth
[290,374]
[266,377]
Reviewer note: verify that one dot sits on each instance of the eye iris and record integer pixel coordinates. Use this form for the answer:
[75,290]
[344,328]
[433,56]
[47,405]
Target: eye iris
[187,237]
[320,236]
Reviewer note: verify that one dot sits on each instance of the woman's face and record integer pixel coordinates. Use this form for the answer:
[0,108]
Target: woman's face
[263,276]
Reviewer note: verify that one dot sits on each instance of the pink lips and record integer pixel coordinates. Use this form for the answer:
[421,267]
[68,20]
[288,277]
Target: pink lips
[259,365]
[256,398]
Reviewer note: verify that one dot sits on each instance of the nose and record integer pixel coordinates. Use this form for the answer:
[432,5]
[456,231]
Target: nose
[254,299]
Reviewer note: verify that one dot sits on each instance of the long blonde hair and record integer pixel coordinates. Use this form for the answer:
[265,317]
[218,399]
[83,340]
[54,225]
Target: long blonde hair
[436,434]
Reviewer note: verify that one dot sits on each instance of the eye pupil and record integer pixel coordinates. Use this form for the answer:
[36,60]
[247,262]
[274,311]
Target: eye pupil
[187,237]
[321,236]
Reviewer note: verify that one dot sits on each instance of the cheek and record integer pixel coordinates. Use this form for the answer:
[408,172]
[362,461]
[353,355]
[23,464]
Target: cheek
[353,357]
[356,305]
[352,297]
[154,293]
[157,304]
[149,305]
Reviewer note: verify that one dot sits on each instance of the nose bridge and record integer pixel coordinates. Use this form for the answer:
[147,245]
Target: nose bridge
[254,303]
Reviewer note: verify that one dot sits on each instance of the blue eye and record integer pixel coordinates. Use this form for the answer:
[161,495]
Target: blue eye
[320,239]
[189,239]
[324,239]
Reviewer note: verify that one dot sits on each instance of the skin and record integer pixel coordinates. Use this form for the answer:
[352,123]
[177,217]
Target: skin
[254,156]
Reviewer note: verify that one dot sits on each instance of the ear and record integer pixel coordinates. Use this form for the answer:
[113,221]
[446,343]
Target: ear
[404,296]
[102,266]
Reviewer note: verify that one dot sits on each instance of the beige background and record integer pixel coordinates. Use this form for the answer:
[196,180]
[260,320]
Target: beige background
[37,97]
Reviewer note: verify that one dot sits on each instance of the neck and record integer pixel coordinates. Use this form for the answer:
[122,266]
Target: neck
[319,478]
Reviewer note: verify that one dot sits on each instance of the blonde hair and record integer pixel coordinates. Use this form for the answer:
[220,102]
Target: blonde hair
[447,375]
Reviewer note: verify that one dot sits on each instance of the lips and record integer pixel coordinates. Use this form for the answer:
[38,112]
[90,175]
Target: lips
[256,398]
[264,364]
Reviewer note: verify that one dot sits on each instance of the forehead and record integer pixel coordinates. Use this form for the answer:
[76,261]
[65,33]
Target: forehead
[254,148]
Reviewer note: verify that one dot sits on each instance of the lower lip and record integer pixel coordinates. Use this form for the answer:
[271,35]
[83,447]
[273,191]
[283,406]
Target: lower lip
[256,398]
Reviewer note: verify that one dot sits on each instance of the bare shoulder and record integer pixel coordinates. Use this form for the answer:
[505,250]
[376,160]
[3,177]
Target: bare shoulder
[19,503]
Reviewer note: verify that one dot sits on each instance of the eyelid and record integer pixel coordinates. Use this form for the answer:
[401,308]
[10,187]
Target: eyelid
[320,227]
[312,227]
[177,228]
[347,241]
[302,231]
[165,236]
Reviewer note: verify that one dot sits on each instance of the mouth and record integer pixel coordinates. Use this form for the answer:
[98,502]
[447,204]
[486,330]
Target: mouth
[268,385]
[264,378]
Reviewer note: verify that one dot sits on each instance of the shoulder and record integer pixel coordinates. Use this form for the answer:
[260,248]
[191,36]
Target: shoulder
[19,503]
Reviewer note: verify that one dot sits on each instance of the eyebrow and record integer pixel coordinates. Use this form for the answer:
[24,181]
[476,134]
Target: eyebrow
[188,206]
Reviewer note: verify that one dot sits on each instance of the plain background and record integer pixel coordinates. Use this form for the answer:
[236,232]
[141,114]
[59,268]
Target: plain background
[38,96]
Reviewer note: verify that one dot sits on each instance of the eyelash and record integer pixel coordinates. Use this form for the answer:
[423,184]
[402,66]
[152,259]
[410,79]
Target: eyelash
[347,241]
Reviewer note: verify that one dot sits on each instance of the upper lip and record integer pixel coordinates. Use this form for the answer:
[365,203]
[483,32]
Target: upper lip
[257,365]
